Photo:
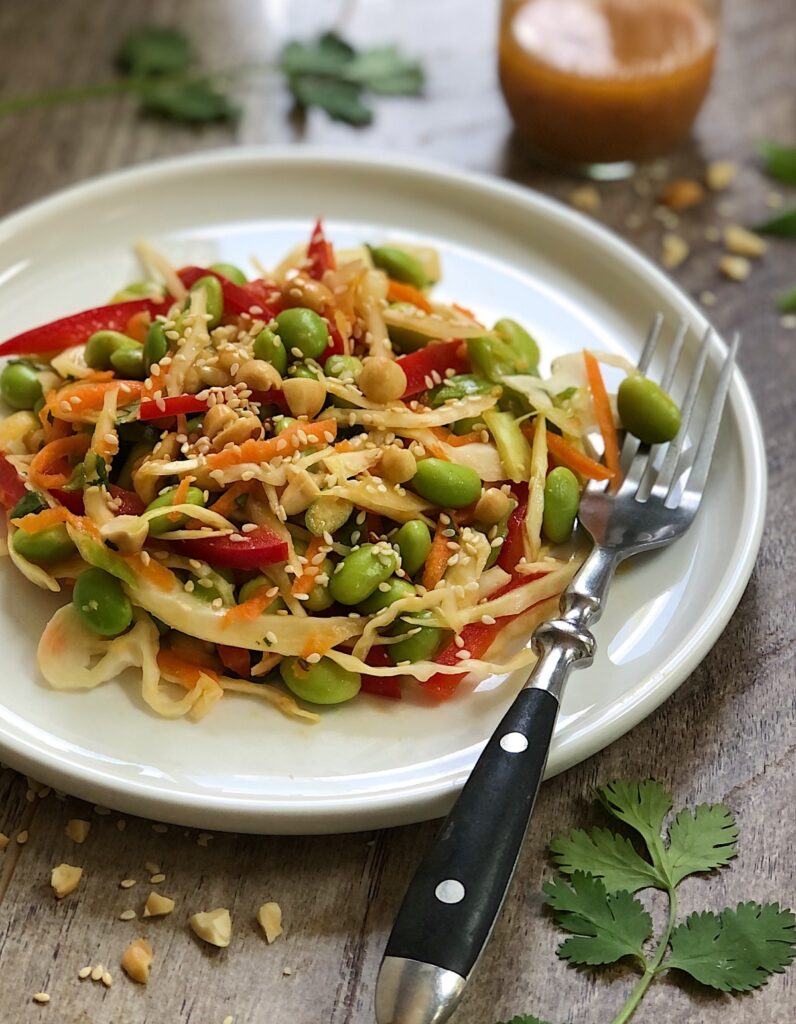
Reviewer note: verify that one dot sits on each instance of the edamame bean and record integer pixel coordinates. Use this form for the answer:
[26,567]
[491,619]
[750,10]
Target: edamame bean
[319,598]
[20,385]
[446,484]
[325,682]
[303,371]
[301,328]
[399,265]
[128,361]
[345,368]
[101,346]
[404,339]
[251,588]
[283,422]
[45,547]
[413,540]
[457,387]
[101,603]
[229,271]
[468,425]
[420,646]
[525,348]
[163,524]
[214,298]
[269,347]
[156,345]
[361,572]
[561,499]
[138,290]
[646,410]
[380,599]
[327,514]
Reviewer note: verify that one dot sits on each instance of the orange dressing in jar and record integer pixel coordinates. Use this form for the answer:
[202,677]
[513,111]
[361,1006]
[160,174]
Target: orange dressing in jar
[605,81]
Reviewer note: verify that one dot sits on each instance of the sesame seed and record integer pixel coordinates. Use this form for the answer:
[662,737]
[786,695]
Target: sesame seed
[462,655]
[83,973]
[41,997]
[248,527]
[106,979]
[97,972]
[156,879]
[127,883]
[22,838]
[127,915]
[313,659]
[488,620]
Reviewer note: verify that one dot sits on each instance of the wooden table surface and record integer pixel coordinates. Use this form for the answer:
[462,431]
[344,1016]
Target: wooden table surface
[726,735]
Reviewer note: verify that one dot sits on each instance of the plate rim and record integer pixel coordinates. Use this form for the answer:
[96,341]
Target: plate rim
[423,800]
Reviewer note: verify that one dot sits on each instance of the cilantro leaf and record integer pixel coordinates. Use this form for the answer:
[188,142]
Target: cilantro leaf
[385,70]
[526,1018]
[328,55]
[779,161]
[782,224]
[736,950]
[154,51]
[605,926]
[338,98]
[787,303]
[701,840]
[642,806]
[195,101]
[606,855]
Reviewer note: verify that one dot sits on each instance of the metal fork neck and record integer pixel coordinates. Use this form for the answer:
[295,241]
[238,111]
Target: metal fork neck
[565,643]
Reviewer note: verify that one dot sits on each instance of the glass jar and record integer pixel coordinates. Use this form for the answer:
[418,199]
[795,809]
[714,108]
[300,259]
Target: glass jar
[600,84]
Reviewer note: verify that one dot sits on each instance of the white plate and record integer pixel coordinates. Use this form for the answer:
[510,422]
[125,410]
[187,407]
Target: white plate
[506,251]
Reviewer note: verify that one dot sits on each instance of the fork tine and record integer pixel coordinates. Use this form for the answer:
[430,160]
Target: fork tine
[674,355]
[699,470]
[630,444]
[666,472]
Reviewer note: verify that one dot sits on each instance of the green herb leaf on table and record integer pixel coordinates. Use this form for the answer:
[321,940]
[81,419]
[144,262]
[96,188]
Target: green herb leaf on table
[605,926]
[701,840]
[779,161]
[642,806]
[782,224]
[154,51]
[787,303]
[331,75]
[195,102]
[736,950]
[526,1018]
[606,855]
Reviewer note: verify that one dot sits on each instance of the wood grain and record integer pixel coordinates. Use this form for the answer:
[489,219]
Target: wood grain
[727,734]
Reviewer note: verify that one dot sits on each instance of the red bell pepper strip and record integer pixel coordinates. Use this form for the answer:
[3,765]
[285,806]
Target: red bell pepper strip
[236,659]
[381,686]
[512,550]
[238,298]
[129,502]
[335,346]
[260,547]
[75,329]
[273,396]
[478,638]
[11,486]
[438,356]
[320,254]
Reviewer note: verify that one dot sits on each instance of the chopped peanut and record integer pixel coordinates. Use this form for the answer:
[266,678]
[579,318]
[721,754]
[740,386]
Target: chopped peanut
[586,198]
[137,961]
[269,917]
[741,242]
[492,506]
[258,374]
[128,533]
[64,879]
[736,268]
[77,830]
[213,926]
[720,174]
[299,493]
[682,193]
[157,905]
[674,250]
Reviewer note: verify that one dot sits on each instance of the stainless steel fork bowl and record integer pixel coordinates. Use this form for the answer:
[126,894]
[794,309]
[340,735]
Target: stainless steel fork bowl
[456,894]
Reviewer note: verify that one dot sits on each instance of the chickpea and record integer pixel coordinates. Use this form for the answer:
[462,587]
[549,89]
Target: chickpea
[381,380]
[492,506]
[397,465]
[258,374]
[305,397]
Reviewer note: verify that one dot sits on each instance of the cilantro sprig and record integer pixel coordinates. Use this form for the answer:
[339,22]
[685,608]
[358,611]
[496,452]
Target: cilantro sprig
[734,950]
[161,68]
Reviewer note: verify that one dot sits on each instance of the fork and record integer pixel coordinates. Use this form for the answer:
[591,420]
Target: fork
[456,894]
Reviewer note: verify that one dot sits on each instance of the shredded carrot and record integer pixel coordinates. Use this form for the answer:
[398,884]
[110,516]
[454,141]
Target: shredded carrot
[138,325]
[186,673]
[52,428]
[49,467]
[299,435]
[316,643]
[179,497]
[342,447]
[437,561]
[397,291]
[157,574]
[456,440]
[96,376]
[468,313]
[250,609]
[227,502]
[89,398]
[303,584]
[569,456]
[35,522]
[602,410]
